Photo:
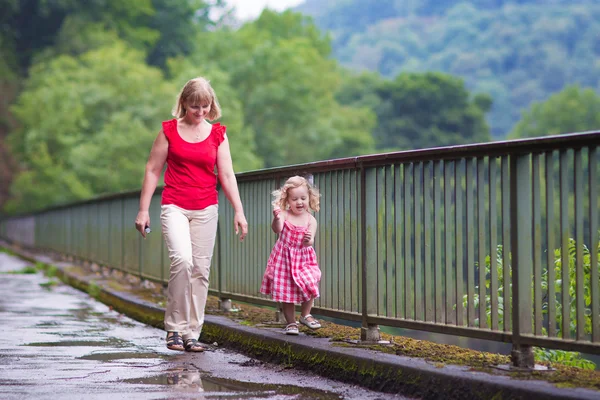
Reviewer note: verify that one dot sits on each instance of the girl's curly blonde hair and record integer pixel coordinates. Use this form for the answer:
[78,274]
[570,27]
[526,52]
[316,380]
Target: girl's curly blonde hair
[281,195]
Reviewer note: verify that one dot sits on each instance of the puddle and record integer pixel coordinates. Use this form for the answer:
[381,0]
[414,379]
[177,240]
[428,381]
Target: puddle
[47,324]
[118,356]
[211,387]
[81,343]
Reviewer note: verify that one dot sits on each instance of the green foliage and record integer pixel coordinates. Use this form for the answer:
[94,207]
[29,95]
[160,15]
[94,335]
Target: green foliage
[178,21]
[587,294]
[24,17]
[570,358]
[559,356]
[163,28]
[7,251]
[87,124]
[517,51]
[51,271]
[428,110]
[572,110]
[29,269]
[94,290]
[50,284]
[279,68]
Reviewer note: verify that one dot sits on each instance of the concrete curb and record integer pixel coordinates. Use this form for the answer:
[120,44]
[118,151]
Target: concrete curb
[375,370]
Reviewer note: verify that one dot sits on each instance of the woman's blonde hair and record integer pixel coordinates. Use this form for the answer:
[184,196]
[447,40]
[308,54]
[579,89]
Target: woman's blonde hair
[197,91]
[281,195]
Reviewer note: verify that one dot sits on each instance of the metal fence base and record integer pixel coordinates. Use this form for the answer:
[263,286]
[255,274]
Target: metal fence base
[225,305]
[279,317]
[370,333]
[522,357]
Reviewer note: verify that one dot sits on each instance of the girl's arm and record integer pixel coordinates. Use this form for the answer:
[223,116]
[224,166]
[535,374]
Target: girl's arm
[309,236]
[278,219]
[230,188]
[154,166]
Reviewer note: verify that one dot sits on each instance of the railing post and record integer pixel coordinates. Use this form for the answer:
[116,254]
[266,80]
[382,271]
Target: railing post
[368,228]
[521,259]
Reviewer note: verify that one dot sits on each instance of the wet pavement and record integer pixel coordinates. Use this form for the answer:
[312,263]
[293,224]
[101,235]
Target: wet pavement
[59,343]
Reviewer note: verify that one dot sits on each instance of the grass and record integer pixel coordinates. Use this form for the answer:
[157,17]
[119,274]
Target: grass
[29,269]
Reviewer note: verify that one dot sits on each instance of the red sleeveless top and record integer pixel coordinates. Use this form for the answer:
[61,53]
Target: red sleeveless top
[190,179]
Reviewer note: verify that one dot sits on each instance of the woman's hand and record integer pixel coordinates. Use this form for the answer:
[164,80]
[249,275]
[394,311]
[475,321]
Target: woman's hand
[142,221]
[240,224]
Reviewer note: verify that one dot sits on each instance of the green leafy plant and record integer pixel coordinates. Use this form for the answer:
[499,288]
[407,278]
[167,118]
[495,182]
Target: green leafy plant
[570,358]
[555,356]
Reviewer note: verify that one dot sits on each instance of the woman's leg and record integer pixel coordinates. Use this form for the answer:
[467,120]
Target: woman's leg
[176,232]
[289,312]
[203,229]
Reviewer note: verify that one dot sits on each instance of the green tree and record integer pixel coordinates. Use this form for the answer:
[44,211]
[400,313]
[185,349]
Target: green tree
[280,69]
[162,28]
[518,51]
[86,125]
[33,25]
[573,109]
[178,22]
[429,110]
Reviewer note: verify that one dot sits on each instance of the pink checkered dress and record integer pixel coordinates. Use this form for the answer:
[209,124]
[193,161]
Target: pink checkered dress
[292,274]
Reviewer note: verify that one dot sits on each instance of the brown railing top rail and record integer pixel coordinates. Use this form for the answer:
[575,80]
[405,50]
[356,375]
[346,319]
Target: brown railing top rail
[498,148]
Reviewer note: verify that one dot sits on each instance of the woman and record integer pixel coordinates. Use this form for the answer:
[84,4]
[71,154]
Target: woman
[192,148]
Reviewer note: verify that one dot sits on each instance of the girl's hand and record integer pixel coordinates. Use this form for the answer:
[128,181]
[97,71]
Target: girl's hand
[276,212]
[307,239]
[142,221]
[240,224]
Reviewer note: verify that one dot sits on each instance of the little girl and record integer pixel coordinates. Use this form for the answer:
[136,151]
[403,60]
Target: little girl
[292,275]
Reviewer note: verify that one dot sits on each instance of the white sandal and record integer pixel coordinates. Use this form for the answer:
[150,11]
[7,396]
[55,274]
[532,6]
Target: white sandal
[291,329]
[314,324]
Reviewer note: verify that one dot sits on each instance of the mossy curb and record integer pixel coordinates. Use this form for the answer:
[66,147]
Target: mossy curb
[364,371]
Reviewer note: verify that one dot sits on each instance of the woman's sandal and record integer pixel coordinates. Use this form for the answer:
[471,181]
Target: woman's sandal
[291,329]
[174,341]
[314,324]
[193,345]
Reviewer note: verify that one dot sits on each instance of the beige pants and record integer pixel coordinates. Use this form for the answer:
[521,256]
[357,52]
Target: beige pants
[190,239]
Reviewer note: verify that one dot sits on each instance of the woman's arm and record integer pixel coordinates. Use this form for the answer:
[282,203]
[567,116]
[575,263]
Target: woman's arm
[154,166]
[230,188]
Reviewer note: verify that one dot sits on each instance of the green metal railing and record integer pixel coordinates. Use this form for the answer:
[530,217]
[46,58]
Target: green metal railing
[496,241]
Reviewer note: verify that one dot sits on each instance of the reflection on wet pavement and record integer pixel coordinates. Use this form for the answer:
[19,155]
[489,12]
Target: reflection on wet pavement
[196,381]
[62,344]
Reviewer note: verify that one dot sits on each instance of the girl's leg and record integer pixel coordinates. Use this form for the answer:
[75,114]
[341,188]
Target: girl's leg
[306,307]
[306,318]
[289,312]
[203,230]
[176,232]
